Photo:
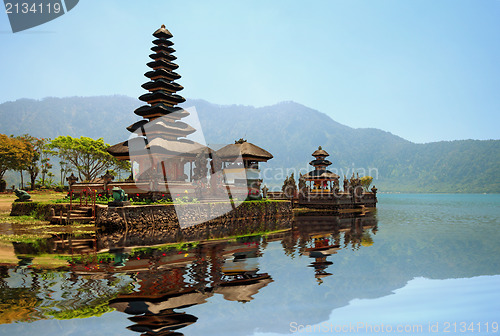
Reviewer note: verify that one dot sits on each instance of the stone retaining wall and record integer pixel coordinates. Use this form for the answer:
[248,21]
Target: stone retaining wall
[38,210]
[340,201]
[150,216]
[171,233]
[161,216]
[158,224]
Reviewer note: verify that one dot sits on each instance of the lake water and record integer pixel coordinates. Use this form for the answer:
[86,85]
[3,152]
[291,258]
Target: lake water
[423,265]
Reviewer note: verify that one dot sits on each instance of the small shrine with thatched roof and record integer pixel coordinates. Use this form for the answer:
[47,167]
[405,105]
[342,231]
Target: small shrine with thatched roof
[319,188]
[246,172]
[321,178]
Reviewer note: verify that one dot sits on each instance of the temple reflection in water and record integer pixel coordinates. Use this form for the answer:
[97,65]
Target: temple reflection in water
[169,281]
[156,285]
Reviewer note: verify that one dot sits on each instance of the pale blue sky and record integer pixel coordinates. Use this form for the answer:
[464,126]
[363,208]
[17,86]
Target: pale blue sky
[425,70]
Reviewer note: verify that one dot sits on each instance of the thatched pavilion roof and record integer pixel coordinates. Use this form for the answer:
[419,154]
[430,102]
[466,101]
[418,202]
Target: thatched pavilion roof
[247,151]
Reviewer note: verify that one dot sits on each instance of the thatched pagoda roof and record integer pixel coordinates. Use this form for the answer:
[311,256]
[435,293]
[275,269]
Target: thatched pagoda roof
[162,73]
[162,63]
[320,174]
[163,54]
[159,146]
[162,128]
[243,293]
[162,84]
[119,150]
[320,162]
[135,126]
[162,97]
[179,147]
[162,33]
[320,152]
[164,47]
[161,109]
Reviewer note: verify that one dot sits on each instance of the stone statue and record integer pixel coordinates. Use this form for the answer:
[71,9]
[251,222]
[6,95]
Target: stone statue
[71,179]
[200,171]
[217,177]
[216,163]
[119,194]
[200,167]
[355,181]
[289,187]
[303,191]
[264,191]
[22,196]
[335,184]
[346,184]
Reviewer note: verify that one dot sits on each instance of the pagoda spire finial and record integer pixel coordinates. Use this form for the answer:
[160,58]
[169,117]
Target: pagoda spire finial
[163,26]
[319,148]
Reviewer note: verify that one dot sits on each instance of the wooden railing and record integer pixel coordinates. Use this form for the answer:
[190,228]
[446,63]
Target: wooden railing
[87,197]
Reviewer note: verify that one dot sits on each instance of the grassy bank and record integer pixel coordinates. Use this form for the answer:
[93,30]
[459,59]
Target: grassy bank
[6,199]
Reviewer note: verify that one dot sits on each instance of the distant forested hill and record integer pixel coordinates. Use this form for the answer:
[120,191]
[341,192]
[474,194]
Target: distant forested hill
[95,117]
[290,131]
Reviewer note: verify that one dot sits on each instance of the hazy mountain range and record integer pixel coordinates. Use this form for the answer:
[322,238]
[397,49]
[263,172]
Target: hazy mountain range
[290,131]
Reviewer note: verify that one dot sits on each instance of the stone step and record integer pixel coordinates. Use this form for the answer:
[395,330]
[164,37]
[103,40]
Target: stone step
[81,219]
[78,250]
[73,215]
[81,214]
[84,208]
[79,211]
[86,251]
[79,246]
[73,241]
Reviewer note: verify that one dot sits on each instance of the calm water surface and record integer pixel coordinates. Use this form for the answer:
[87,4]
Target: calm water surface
[425,265]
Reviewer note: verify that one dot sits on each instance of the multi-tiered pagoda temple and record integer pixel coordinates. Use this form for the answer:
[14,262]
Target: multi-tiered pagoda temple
[164,159]
[159,152]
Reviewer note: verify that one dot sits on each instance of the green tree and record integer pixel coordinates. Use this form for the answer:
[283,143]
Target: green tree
[366,181]
[87,156]
[65,169]
[35,166]
[45,168]
[22,165]
[14,154]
